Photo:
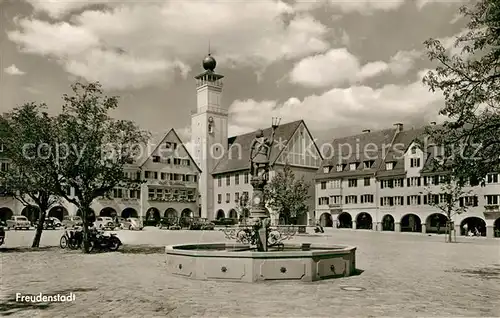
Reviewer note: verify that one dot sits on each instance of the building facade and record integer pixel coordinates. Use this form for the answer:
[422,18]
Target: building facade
[381,181]
[225,162]
[170,187]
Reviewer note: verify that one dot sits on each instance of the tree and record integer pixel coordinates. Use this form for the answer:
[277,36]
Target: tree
[449,199]
[286,195]
[470,82]
[96,148]
[29,138]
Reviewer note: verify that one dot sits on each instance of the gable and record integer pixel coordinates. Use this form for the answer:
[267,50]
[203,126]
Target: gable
[300,150]
[169,151]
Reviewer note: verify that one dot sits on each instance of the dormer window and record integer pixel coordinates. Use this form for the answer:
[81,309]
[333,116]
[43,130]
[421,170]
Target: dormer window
[339,168]
[326,169]
[368,164]
[353,166]
[415,162]
[389,165]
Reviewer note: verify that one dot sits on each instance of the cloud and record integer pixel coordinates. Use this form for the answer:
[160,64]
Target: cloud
[57,9]
[339,66]
[423,3]
[340,107]
[364,7]
[135,45]
[13,70]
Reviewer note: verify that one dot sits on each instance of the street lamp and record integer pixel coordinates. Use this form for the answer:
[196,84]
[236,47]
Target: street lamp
[275,122]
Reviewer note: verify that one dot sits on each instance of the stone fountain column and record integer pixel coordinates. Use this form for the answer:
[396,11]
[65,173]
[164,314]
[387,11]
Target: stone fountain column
[258,212]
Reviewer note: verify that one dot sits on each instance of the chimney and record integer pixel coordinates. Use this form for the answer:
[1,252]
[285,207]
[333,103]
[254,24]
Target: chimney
[399,126]
[433,123]
[366,131]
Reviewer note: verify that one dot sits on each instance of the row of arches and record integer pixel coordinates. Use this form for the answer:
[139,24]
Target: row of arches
[435,223]
[232,214]
[32,213]
[154,214]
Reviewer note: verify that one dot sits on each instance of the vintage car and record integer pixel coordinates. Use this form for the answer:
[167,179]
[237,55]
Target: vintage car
[133,224]
[72,221]
[18,222]
[104,222]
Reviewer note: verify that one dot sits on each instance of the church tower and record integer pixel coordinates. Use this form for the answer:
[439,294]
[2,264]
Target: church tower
[209,125]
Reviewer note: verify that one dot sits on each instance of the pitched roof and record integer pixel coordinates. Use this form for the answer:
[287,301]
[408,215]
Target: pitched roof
[238,155]
[154,142]
[357,149]
[396,152]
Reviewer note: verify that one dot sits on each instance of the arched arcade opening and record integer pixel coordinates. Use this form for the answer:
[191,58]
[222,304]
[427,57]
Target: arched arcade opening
[436,223]
[473,225]
[220,214]
[496,228]
[170,213]
[31,212]
[411,223]
[326,220]
[388,223]
[233,214]
[364,221]
[129,213]
[5,214]
[187,213]
[152,216]
[58,212]
[344,220]
[109,212]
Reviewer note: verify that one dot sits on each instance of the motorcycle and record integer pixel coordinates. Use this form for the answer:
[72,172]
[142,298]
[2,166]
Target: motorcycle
[72,239]
[99,240]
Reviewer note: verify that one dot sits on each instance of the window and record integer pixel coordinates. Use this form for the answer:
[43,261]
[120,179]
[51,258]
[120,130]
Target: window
[399,200]
[351,199]
[339,168]
[398,183]
[335,199]
[163,175]
[117,193]
[469,201]
[323,185]
[156,158]
[491,199]
[368,164]
[219,181]
[387,184]
[367,198]
[367,182]
[352,183]
[326,169]
[335,184]
[237,197]
[492,178]
[237,179]
[413,200]
[151,193]
[168,145]
[228,197]
[414,150]
[177,161]
[245,195]
[151,175]
[228,180]
[413,182]
[138,175]
[246,178]
[323,201]
[353,166]
[389,165]
[414,162]
[219,198]
[387,201]
[5,166]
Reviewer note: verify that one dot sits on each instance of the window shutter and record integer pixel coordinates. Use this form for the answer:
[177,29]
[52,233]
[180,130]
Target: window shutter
[408,182]
[418,181]
[381,201]
[408,202]
[475,201]
[461,202]
[418,199]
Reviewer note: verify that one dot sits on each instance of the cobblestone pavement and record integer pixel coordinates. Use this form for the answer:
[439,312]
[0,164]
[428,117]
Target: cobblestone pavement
[404,275]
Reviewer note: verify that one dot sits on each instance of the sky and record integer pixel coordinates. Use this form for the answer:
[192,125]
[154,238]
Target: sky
[340,65]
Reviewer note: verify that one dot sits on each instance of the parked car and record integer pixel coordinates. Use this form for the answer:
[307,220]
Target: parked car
[167,222]
[18,222]
[57,222]
[72,221]
[49,224]
[133,224]
[104,222]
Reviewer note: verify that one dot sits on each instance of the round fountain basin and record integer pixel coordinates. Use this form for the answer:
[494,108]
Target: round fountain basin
[239,262]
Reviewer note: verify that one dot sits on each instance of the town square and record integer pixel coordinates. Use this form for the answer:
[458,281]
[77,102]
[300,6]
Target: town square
[230,159]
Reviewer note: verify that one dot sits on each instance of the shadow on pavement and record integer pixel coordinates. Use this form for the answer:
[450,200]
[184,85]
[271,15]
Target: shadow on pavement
[28,249]
[142,249]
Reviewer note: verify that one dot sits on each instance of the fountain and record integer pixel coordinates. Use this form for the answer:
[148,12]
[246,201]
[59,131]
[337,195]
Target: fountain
[260,253]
